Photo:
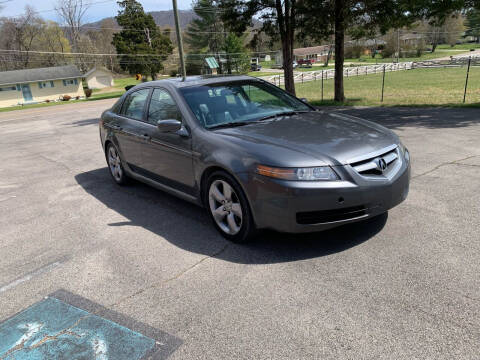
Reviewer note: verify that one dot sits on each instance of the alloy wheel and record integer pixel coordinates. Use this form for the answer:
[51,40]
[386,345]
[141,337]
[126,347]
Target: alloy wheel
[225,207]
[115,163]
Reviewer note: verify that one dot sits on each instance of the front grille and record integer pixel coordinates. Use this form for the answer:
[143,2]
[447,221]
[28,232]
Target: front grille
[326,216]
[372,166]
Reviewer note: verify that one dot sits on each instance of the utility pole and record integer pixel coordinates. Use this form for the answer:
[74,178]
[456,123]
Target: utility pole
[466,80]
[179,39]
[398,45]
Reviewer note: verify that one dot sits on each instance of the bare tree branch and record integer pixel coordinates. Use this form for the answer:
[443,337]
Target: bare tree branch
[72,13]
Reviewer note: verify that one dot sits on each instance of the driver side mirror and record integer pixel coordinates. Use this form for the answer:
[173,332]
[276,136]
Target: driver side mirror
[170,125]
[305,100]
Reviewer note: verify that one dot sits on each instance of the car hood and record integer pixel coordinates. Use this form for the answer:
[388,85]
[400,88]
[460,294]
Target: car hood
[331,137]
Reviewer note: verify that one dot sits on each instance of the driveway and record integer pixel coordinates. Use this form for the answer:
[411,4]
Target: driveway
[402,286]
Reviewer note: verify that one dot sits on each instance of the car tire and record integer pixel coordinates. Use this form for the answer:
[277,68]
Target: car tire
[228,208]
[115,167]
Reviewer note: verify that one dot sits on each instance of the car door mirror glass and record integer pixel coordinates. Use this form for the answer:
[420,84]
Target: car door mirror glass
[170,125]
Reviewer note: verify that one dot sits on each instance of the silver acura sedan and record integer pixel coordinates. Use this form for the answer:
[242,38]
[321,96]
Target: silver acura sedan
[254,156]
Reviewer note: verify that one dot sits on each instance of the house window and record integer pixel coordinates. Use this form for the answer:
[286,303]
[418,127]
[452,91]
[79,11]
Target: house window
[48,84]
[8,88]
[70,82]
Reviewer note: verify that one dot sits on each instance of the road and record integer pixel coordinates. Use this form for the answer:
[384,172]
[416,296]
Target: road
[404,286]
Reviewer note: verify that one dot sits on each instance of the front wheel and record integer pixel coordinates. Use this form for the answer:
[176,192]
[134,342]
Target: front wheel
[115,165]
[228,208]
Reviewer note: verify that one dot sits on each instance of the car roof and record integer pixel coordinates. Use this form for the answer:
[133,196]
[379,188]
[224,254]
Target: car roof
[179,82]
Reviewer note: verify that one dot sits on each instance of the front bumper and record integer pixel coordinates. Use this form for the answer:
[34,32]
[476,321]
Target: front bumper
[303,206]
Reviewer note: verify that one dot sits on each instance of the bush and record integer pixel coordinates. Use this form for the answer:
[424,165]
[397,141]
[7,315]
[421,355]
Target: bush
[66,97]
[88,92]
[77,97]
[47,101]
[354,51]
[173,73]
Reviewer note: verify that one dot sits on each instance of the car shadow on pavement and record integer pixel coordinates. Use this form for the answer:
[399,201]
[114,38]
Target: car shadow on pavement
[84,122]
[423,117]
[188,227]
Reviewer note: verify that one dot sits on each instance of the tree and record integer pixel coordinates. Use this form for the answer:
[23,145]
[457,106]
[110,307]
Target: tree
[20,34]
[206,33]
[72,12]
[140,35]
[52,38]
[102,42]
[279,20]
[472,23]
[323,18]
[236,54]
[453,28]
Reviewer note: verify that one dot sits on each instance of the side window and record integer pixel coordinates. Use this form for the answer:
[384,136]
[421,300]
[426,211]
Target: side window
[162,107]
[135,103]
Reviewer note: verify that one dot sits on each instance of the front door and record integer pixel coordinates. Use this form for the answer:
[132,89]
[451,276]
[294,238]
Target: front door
[129,127]
[168,156]
[27,93]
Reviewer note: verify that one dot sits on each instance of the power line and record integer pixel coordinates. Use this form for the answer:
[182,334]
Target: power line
[146,55]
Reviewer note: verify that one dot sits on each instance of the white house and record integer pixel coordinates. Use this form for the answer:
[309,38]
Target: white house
[99,78]
[19,87]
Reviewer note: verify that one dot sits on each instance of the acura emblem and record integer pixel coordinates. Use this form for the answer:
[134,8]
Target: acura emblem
[381,164]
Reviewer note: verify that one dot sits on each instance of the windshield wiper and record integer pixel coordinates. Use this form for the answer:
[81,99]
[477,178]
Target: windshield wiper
[285,113]
[230,124]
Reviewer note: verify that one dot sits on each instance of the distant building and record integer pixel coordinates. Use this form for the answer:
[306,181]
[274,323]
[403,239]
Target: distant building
[99,78]
[411,39]
[19,87]
[315,53]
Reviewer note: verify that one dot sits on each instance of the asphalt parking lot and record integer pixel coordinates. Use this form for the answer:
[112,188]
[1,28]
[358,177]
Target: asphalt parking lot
[403,286]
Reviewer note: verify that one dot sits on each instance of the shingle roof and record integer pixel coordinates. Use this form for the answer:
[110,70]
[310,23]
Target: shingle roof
[39,74]
[310,50]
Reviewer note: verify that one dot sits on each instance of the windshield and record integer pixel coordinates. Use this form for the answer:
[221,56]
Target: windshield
[239,102]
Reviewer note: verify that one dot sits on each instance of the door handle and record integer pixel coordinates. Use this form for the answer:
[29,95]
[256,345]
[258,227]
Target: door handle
[116,127]
[145,137]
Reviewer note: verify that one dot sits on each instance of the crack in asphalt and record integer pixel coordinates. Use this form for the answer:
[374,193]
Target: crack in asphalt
[454,162]
[175,277]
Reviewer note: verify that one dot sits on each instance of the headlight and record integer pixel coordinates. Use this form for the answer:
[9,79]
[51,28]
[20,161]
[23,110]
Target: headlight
[305,174]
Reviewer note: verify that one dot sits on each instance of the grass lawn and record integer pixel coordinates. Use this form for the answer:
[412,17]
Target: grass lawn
[465,46]
[263,73]
[118,85]
[20,107]
[440,53]
[440,86]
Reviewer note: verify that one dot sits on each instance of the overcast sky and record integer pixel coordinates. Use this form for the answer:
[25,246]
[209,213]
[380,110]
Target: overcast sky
[96,11]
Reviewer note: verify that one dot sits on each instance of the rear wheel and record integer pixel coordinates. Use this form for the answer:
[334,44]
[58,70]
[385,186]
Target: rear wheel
[228,208]
[115,165]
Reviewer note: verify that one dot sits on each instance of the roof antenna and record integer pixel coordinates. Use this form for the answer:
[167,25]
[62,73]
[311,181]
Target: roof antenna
[179,39]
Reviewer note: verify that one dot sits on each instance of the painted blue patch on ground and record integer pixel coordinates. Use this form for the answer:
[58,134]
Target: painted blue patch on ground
[52,329]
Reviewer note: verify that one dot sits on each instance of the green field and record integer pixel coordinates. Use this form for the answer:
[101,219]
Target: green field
[439,53]
[263,73]
[465,46]
[440,86]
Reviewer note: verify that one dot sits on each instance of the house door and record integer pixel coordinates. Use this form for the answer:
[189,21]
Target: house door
[27,93]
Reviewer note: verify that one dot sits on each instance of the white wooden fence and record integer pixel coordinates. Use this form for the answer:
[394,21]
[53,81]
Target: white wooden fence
[304,76]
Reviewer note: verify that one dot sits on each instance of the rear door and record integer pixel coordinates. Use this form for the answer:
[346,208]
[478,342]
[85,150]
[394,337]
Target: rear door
[129,127]
[168,156]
